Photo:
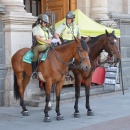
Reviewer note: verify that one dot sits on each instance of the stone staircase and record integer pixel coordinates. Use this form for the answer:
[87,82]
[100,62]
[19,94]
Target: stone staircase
[67,94]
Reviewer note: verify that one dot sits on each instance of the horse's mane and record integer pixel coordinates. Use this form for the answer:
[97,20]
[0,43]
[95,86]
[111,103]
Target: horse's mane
[83,43]
[94,39]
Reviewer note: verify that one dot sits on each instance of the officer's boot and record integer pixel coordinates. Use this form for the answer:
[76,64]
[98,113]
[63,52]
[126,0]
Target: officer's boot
[34,66]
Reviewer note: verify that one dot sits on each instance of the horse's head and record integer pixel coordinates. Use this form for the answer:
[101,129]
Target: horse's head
[82,56]
[112,47]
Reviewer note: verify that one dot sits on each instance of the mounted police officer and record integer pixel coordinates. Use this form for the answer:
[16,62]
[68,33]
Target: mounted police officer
[67,31]
[43,40]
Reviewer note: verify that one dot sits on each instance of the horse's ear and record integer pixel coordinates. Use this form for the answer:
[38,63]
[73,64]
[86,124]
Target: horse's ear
[107,33]
[113,32]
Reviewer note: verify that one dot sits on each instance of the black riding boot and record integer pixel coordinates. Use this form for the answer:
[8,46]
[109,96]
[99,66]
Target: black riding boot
[34,66]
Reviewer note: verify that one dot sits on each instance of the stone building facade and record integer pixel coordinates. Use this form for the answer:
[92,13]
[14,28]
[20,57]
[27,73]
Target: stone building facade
[16,33]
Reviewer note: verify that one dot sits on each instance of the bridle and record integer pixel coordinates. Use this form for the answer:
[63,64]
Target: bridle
[79,66]
[110,50]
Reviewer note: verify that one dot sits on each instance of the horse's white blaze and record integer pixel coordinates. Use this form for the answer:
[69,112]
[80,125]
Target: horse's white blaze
[115,40]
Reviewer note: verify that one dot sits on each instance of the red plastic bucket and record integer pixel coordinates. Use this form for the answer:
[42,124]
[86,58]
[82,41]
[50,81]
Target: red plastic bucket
[98,76]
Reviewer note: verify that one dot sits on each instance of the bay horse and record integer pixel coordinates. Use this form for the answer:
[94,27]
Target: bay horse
[96,45]
[51,71]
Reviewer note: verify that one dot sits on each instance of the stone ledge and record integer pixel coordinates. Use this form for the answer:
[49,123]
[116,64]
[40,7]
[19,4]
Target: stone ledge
[2,9]
[119,16]
[68,94]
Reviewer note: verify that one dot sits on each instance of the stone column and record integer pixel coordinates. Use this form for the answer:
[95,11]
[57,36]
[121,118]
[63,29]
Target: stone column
[18,34]
[126,6]
[99,9]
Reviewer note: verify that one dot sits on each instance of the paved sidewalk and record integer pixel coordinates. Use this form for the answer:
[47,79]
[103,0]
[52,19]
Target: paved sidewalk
[112,112]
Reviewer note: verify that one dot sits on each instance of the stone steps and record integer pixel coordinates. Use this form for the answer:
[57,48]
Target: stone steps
[67,94]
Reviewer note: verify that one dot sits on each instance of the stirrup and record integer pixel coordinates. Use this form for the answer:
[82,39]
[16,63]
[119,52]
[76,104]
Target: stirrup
[34,75]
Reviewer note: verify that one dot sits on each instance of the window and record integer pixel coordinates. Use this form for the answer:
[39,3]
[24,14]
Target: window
[33,6]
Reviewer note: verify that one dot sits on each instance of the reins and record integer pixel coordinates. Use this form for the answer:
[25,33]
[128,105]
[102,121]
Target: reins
[65,63]
[59,58]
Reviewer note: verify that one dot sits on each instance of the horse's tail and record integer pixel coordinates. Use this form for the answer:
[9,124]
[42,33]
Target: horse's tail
[16,89]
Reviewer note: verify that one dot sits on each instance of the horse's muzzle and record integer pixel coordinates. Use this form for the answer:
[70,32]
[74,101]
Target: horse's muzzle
[86,68]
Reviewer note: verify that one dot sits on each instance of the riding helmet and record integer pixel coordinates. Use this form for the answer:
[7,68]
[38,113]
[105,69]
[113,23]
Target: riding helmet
[44,18]
[70,15]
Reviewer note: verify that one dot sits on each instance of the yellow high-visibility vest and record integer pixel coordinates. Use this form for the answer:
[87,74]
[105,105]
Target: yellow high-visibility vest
[45,34]
[69,32]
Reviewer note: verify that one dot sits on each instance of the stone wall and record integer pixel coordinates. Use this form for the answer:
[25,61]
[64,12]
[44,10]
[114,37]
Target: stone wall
[2,59]
[115,6]
[125,46]
[125,51]
[2,64]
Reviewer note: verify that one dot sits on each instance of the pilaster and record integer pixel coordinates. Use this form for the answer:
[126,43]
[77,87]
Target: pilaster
[17,25]
[84,6]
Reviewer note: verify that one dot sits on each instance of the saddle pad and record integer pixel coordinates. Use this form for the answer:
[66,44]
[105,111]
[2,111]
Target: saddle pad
[29,55]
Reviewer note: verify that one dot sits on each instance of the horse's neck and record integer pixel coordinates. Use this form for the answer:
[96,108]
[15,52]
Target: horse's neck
[96,49]
[66,52]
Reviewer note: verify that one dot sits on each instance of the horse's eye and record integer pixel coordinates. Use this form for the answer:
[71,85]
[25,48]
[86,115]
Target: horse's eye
[81,50]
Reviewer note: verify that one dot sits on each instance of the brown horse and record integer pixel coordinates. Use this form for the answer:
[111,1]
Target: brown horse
[105,42]
[52,71]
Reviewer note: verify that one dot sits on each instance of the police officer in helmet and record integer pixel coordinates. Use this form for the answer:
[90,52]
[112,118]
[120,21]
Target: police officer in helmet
[43,38]
[69,30]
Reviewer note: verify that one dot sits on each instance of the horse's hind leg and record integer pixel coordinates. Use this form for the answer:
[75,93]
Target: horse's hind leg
[87,83]
[21,80]
[77,94]
[26,79]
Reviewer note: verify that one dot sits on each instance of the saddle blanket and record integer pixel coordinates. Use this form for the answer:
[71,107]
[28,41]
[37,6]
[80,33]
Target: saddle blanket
[29,55]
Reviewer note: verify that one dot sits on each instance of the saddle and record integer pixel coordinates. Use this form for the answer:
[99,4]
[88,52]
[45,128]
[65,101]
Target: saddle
[42,56]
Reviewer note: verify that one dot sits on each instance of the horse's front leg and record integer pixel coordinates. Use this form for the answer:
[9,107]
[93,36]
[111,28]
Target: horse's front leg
[58,90]
[48,90]
[78,79]
[87,83]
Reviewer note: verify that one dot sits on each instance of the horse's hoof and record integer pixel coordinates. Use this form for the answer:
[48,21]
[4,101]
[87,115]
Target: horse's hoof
[90,113]
[47,119]
[25,113]
[77,115]
[60,117]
